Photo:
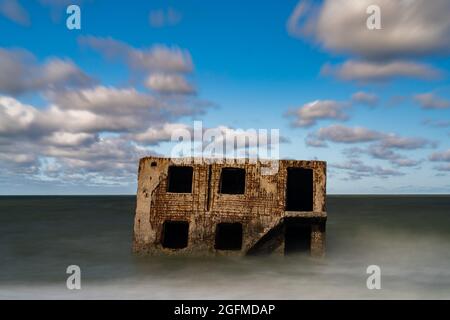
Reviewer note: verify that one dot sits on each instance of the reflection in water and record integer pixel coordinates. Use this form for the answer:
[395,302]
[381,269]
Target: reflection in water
[408,237]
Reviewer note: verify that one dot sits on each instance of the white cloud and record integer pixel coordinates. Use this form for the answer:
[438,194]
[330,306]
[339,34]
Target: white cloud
[169,83]
[102,99]
[383,149]
[312,141]
[357,169]
[342,134]
[406,143]
[15,117]
[71,132]
[409,28]
[69,139]
[430,101]
[441,156]
[366,98]
[378,151]
[405,162]
[157,134]
[158,58]
[365,71]
[310,113]
[20,73]
[383,152]
[84,132]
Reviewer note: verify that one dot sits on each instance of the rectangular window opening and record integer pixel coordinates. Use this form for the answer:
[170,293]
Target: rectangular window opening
[232,181]
[228,236]
[299,189]
[175,234]
[297,236]
[180,179]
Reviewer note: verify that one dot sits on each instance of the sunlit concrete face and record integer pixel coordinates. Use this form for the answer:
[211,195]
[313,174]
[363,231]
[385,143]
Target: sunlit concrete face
[212,208]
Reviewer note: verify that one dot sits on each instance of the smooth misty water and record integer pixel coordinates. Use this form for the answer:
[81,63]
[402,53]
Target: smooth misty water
[407,236]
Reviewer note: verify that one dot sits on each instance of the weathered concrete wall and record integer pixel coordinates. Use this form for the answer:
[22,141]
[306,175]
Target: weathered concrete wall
[261,209]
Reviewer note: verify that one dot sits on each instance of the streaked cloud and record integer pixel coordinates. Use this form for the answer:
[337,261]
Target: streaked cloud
[443,167]
[383,145]
[164,17]
[100,99]
[393,141]
[436,123]
[85,131]
[441,156]
[74,132]
[357,169]
[157,58]
[311,140]
[342,134]
[308,114]
[409,28]
[20,73]
[14,11]
[169,83]
[366,98]
[158,134]
[383,152]
[431,101]
[366,71]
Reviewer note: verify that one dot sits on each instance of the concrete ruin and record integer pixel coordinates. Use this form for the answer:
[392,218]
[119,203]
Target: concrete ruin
[230,209]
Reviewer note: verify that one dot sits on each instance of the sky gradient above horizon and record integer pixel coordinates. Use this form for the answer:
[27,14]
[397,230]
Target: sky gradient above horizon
[79,107]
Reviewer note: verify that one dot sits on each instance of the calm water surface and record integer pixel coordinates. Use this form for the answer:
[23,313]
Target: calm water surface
[407,236]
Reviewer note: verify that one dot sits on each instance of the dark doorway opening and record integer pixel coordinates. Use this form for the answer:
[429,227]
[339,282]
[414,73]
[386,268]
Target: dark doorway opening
[180,179]
[232,181]
[175,234]
[299,189]
[228,236]
[297,236]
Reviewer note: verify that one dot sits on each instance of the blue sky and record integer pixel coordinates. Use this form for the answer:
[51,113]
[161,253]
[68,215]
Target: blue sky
[375,104]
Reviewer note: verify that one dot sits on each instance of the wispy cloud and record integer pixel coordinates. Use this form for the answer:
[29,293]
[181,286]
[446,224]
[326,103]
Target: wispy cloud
[431,101]
[350,135]
[342,134]
[365,71]
[14,11]
[366,98]
[440,156]
[308,114]
[357,169]
[169,83]
[164,17]
[158,58]
[21,73]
